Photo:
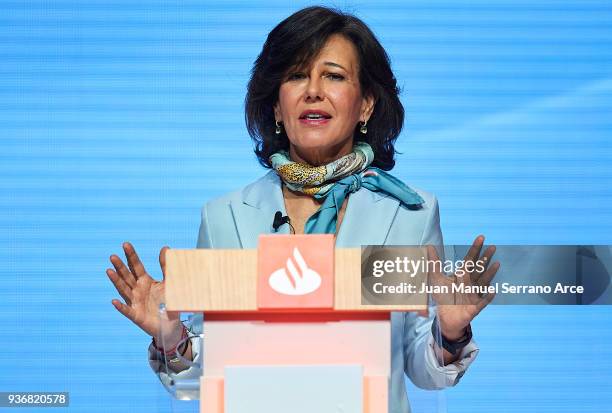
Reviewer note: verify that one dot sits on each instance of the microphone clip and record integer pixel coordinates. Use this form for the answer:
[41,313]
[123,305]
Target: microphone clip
[279,220]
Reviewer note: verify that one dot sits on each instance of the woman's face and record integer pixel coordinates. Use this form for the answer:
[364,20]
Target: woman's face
[321,105]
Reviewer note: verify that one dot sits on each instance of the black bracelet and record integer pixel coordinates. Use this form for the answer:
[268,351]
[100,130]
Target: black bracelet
[186,345]
[452,346]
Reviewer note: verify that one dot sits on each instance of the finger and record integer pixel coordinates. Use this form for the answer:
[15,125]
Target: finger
[123,271]
[474,251]
[432,253]
[122,288]
[134,261]
[435,271]
[436,277]
[162,260]
[123,309]
[488,256]
[485,261]
[489,274]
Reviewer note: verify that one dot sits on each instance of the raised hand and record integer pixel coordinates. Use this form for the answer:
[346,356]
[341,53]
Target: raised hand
[143,295]
[457,310]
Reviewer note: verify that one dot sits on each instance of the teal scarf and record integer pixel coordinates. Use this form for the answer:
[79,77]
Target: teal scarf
[335,181]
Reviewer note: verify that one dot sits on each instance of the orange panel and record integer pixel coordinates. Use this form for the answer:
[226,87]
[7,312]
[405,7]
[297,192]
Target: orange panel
[249,343]
[375,394]
[211,395]
[307,316]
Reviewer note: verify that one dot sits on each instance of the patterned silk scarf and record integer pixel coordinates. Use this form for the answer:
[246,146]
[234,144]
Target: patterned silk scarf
[336,180]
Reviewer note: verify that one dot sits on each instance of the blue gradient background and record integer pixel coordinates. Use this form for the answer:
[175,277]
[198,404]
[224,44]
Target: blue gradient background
[118,119]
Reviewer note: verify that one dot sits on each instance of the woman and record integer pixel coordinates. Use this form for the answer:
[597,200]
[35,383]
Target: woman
[323,109]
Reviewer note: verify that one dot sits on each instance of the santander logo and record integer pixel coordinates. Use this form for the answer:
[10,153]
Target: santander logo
[293,280]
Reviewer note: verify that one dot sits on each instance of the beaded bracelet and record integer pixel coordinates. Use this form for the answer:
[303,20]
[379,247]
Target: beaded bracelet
[172,351]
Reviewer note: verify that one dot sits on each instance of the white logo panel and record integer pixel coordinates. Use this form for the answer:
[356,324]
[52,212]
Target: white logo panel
[293,280]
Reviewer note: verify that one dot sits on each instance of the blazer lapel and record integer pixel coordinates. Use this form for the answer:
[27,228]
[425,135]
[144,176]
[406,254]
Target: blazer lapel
[367,219]
[254,212]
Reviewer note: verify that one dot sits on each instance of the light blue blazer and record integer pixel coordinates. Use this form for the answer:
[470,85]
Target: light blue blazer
[236,220]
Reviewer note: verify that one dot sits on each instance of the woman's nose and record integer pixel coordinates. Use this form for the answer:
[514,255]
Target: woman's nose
[314,89]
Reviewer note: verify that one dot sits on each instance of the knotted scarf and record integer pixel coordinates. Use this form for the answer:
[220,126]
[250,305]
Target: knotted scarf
[336,180]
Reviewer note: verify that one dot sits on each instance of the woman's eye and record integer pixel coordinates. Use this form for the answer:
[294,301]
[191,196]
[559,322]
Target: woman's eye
[296,76]
[335,76]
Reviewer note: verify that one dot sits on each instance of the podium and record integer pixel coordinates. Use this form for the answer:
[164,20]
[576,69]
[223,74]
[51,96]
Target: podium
[285,329]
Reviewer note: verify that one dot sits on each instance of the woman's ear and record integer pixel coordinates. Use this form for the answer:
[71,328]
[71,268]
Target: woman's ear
[277,113]
[367,107]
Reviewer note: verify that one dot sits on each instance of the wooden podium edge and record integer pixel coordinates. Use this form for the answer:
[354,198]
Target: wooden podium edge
[225,281]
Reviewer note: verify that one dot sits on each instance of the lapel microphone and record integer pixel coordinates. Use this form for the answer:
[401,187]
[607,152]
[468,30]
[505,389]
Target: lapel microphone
[279,220]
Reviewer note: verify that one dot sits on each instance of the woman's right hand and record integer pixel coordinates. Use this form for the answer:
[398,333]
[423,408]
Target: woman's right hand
[143,295]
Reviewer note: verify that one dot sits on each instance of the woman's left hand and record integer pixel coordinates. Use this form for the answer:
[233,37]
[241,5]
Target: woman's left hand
[457,310]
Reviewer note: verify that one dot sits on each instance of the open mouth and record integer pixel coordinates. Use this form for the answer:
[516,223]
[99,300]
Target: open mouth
[314,118]
[314,115]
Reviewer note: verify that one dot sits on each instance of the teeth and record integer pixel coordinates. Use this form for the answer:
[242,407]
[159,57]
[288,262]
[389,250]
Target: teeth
[313,116]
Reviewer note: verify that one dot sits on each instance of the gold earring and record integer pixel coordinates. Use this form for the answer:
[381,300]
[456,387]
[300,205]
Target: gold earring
[364,127]
[278,128]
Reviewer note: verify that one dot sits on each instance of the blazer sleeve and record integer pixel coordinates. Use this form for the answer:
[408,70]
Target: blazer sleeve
[194,325]
[421,363]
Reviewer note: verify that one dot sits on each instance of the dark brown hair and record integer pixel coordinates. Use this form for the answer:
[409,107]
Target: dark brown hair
[297,40]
